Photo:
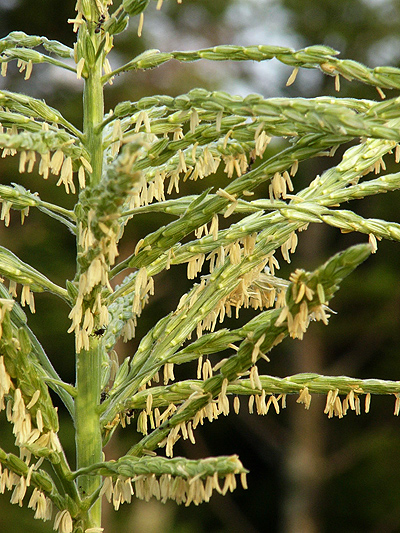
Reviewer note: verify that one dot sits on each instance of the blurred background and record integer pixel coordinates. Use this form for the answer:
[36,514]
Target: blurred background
[307,473]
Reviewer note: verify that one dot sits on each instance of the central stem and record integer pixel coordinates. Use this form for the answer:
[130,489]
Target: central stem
[88,362]
[93,114]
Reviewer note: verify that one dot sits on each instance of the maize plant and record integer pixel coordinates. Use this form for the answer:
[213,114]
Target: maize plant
[128,161]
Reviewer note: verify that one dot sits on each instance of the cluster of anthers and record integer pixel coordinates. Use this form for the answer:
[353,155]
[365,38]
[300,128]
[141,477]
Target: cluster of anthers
[32,439]
[258,288]
[336,407]
[167,487]
[96,275]
[29,437]
[302,296]
[192,163]
[259,402]
[56,162]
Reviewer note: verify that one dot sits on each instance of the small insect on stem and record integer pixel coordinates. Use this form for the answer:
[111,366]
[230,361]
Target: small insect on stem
[100,23]
[104,395]
[252,160]
[99,332]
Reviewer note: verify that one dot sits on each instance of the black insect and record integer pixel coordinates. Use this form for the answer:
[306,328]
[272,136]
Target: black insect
[103,396]
[252,160]
[99,332]
[100,23]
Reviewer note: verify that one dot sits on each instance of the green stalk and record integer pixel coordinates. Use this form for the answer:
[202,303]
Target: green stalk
[88,363]
[87,425]
[93,114]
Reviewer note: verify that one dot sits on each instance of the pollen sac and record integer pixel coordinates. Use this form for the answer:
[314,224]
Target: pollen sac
[114,25]
[134,7]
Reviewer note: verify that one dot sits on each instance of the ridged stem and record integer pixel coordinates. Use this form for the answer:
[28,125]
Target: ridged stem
[88,434]
[88,362]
